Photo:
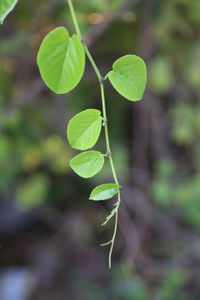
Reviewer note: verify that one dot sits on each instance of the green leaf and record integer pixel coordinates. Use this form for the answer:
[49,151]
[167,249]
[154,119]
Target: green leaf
[6,6]
[104,191]
[87,164]
[84,129]
[61,60]
[129,77]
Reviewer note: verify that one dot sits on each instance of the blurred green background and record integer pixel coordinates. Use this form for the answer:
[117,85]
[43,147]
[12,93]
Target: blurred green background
[50,233]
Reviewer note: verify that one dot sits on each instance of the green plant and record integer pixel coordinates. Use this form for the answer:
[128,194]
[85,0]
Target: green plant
[6,6]
[61,61]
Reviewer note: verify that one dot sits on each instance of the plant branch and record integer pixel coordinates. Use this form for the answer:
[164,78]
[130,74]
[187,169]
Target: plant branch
[72,11]
[108,149]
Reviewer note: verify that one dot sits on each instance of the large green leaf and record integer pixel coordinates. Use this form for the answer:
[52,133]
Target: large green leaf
[104,191]
[84,129]
[129,77]
[6,6]
[87,164]
[61,60]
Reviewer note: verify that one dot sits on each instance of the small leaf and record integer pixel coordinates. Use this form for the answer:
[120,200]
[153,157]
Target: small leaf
[6,6]
[104,191]
[129,77]
[84,129]
[110,216]
[87,164]
[61,60]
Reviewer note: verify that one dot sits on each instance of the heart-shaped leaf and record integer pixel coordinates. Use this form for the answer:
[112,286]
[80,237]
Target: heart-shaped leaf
[129,77]
[104,191]
[84,129]
[87,164]
[61,60]
[6,6]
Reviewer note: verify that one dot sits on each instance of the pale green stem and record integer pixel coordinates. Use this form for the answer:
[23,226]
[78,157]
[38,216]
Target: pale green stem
[74,19]
[114,234]
[108,149]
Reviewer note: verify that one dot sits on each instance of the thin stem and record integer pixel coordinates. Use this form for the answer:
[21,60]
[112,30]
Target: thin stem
[106,132]
[113,240]
[100,78]
[108,149]
[72,11]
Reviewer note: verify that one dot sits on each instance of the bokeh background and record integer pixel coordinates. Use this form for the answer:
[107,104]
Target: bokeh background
[49,232]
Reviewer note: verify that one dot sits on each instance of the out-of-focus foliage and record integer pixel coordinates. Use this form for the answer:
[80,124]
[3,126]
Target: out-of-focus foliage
[47,223]
[177,181]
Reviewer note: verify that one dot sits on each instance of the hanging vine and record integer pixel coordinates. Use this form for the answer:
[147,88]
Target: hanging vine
[61,60]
